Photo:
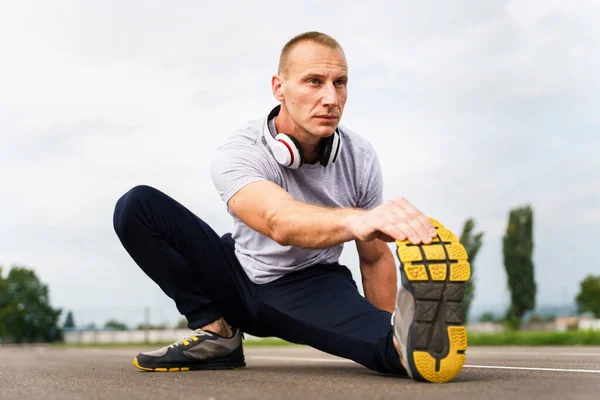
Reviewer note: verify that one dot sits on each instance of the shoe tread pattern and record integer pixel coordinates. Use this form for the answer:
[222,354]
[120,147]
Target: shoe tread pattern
[436,275]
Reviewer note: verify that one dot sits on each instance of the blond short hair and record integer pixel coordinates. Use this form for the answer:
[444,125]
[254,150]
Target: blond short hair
[311,36]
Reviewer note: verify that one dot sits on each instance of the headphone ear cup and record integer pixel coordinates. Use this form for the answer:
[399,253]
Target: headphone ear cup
[298,147]
[331,149]
[294,147]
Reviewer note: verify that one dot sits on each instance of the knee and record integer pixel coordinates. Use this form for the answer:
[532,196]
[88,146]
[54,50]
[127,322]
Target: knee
[129,205]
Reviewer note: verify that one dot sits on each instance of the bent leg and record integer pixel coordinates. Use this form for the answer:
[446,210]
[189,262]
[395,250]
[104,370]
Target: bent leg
[321,307]
[184,256]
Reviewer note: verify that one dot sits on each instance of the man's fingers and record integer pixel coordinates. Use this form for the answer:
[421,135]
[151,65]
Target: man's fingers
[428,226]
[424,227]
[419,222]
[410,216]
[393,229]
[400,220]
[415,219]
[415,222]
[389,226]
[396,226]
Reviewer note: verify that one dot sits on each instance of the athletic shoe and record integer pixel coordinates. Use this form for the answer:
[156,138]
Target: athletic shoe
[201,350]
[428,319]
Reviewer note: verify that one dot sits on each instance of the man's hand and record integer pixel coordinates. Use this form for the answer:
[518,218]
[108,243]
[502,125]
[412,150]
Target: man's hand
[270,210]
[394,220]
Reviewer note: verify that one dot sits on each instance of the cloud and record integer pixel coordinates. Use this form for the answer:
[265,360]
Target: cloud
[474,108]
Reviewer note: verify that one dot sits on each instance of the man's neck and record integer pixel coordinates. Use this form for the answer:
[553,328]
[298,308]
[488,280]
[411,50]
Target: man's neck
[309,143]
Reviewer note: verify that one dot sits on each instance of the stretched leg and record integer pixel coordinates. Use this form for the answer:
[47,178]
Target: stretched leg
[184,256]
[320,306]
[194,267]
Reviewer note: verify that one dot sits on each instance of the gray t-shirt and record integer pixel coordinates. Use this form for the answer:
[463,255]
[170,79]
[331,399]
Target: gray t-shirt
[354,180]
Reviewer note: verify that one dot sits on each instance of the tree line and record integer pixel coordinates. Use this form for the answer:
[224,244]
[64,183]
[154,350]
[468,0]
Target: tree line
[117,325]
[26,315]
[517,251]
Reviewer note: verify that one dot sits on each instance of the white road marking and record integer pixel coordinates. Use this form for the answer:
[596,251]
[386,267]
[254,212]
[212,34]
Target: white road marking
[334,360]
[532,353]
[590,371]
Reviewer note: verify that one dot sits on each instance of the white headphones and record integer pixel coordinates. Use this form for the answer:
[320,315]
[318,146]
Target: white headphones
[288,152]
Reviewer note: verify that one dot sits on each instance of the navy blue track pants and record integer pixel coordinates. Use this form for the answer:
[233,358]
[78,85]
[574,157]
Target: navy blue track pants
[319,306]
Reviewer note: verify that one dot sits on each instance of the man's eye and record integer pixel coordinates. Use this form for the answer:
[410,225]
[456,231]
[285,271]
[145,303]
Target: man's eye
[314,81]
[340,83]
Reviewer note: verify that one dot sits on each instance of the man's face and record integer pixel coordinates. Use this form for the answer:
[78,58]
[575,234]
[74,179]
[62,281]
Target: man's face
[314,88]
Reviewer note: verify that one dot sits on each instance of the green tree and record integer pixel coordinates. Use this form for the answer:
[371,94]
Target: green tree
[26,311]
[537,318]
[472,243]
[517,251]
[4,306]
[487,317]
[70,321]
[114,324]
[588,298]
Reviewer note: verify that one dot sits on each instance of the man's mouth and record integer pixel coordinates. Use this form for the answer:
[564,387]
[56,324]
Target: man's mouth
[330,117]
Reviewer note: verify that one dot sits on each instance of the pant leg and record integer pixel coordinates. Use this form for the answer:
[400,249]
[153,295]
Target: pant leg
[321,307]
[185,257]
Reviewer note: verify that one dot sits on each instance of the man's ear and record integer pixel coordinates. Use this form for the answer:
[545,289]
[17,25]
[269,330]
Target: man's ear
[277,87]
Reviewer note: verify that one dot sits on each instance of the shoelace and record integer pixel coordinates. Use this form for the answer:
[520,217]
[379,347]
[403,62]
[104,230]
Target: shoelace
[189,339]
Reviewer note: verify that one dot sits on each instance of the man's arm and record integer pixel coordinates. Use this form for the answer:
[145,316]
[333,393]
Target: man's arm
[270,210]
[267,208]
[378,271]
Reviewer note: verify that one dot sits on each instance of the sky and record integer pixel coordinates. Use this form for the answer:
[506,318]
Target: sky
[474,108]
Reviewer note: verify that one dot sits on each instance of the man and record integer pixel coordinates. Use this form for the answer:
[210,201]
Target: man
[298,185]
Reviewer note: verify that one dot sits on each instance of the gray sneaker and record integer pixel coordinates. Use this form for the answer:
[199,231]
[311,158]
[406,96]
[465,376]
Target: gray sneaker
[428,319]
[201,350]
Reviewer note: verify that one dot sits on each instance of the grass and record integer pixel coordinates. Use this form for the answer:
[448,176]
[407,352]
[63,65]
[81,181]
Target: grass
[509,338]
[516,338]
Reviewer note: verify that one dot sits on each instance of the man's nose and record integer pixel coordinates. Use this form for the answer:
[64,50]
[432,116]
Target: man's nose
[330,95]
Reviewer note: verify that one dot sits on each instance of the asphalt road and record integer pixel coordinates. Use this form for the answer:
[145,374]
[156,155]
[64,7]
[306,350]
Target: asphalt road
[296,373]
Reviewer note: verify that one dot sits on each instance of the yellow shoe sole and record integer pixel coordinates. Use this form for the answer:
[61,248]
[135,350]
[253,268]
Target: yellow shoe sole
[435,274]
[137,365]
[239,365]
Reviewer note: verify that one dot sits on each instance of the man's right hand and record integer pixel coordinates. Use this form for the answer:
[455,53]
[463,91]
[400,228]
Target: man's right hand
[394,220]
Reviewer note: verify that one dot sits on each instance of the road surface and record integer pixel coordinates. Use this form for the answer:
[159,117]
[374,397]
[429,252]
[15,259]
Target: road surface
[296,373]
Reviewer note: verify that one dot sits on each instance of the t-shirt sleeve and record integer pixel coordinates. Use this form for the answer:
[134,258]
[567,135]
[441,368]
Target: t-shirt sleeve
[371,194]
[234,166]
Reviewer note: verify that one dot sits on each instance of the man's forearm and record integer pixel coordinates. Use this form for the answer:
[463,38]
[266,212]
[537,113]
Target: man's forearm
[310,226]
[380,281]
